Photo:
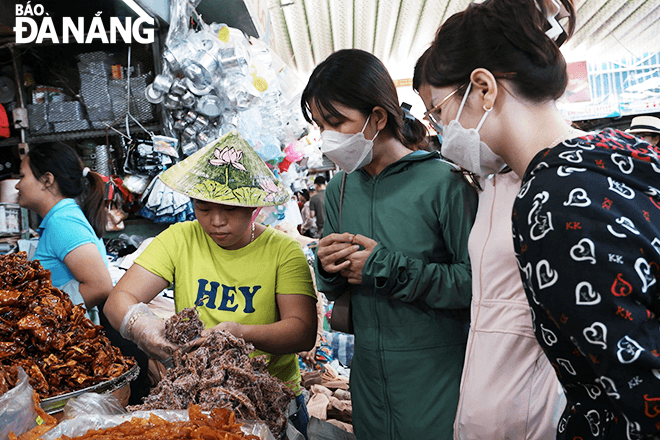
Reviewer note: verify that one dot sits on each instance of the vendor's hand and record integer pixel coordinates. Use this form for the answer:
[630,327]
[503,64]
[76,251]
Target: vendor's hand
[234,328]
[148,332]
[309,357]
[333,251]
[356,260]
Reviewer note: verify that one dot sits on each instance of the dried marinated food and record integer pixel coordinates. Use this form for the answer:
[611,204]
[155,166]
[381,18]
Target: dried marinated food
[220,424]
[41,330]
[184,327]
[221,374]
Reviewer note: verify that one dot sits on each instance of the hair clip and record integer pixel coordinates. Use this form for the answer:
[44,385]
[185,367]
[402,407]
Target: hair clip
[406,111]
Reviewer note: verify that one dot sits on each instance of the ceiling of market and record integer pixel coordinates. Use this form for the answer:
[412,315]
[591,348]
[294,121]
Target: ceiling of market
[305,32]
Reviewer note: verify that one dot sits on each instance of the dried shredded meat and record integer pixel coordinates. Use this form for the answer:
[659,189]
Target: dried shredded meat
[41,330]
[184,327]
[221,374]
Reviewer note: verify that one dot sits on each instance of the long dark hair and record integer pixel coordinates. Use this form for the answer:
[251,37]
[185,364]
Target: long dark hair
[359,80]
[66,167]
[505,37]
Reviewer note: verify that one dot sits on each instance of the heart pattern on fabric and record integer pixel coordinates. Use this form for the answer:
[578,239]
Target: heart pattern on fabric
[625,163]
[574,156]
[592,390]
[561,426]
[548,336]
[542,225]
[629,350]
[596,334]
[537,204]
[628,224]
[585,295]
[643,269]
[578,197]
[587,225]
[609,386]
[524,188]
[633,428]
[584,251]
[545,275]
[564,171]
[567,365]
[593,417]
[653,192]
[655,167]
[616,233]
[621,189]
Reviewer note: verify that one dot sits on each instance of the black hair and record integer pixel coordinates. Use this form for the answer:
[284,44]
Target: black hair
[359,80]
[319,180]
[65,165]
[505,37]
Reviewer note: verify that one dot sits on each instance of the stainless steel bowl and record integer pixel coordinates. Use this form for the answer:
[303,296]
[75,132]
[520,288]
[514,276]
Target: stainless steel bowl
[55,404]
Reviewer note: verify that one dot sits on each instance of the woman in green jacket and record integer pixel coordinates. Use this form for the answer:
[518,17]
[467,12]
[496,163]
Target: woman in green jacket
[399,248]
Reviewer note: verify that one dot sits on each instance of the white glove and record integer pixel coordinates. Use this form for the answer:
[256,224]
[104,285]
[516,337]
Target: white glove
[147,330]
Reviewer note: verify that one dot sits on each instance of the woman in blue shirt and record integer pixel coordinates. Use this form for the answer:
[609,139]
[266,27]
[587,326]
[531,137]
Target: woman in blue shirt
[71,199]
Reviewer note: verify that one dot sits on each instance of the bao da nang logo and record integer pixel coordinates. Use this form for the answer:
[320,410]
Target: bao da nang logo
[33,24]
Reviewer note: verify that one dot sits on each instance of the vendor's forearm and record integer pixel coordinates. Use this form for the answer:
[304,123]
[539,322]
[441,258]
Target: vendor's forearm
[117,305]
[290,335]
[94,293]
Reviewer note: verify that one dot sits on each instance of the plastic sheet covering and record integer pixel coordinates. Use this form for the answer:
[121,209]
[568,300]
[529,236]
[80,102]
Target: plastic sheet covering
[17,412]
[101,411]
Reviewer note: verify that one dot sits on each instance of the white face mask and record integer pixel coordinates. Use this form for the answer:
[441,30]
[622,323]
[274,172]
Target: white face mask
[464,147]
[349,151]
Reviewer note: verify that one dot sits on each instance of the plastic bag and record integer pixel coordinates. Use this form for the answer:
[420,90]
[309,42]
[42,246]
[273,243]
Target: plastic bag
[93,403]
[17,412]
[100,411]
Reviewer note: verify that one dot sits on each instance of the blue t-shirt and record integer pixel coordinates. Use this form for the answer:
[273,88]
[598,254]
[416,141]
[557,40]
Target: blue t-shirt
[64,228]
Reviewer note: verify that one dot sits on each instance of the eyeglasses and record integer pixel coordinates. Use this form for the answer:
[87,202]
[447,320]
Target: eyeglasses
[433,118]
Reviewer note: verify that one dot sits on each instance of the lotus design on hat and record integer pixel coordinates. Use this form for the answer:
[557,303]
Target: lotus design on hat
[270,187]
[228,156]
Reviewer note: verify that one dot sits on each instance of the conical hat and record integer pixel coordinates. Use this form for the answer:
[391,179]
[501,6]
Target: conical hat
[226,171]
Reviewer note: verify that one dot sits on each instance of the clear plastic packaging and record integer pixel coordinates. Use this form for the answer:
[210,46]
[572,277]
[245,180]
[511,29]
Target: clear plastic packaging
[101,411]
[17,412]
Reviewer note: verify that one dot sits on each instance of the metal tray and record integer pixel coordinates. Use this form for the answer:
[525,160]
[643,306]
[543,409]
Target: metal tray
[55,404]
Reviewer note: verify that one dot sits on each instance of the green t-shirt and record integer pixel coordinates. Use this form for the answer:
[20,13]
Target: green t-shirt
[239,285]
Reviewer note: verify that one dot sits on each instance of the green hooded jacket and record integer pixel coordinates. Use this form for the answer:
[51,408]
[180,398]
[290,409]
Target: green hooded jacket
[411,312]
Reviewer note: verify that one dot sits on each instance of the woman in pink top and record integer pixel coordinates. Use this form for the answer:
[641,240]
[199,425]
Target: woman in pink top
[509,390]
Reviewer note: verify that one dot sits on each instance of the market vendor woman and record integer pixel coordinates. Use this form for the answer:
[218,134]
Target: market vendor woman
[243,277]
[70,199]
